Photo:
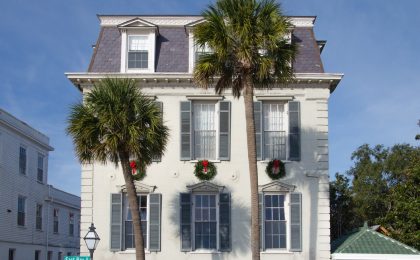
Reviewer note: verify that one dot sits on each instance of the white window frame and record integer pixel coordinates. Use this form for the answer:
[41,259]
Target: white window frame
[71,223]
[151,38]
[285,127]
[146,248]
[192,47]
[202,250]
[24,211]
[26,160]
[56,219]
[40,155]
[216,126]
[40,217]
[287,218]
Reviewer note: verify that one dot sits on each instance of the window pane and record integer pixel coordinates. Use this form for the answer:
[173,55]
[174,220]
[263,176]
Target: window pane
[205,222]
[204,131]
[274,131]
[275,225]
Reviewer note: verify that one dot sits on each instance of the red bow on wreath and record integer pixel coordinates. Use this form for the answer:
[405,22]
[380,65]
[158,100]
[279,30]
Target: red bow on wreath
[276,165]
[205,163]
[133,167]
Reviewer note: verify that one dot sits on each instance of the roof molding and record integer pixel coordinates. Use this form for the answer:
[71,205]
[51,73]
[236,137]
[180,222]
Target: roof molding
[276,186]
[205,186]
[140,187]
[184,20]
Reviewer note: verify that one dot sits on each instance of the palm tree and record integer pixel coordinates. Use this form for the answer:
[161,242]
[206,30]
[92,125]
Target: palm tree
[117,123]
[249,50]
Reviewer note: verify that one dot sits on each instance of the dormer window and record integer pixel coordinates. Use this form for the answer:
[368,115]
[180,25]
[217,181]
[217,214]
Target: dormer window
[138,54]
[138,40]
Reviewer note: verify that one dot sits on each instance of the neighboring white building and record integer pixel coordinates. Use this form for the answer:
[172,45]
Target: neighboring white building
[37,221]
[190,219]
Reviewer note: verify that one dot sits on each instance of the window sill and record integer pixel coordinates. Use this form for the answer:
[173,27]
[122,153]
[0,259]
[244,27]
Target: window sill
[267,161]
[212,161]
[206,252]
[132,251]
[274,251]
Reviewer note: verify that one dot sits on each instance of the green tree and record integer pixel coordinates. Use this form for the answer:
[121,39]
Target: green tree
[343,218]
[369,183]
[116,123]
[403,216]
[249,50]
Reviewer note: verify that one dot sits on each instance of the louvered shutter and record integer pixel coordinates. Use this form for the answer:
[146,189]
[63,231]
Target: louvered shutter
[258,128]
[224,131]
[185,219]
[155,201]
[116,221]
[186,131]
[295,222]
[224,222]
[294,130]
[261,215]
[159,104]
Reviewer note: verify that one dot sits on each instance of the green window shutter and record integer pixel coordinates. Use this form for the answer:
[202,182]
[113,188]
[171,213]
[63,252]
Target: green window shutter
[185,219]
[186,131]
[224,222]
[294,130]
[155,201]
[296,222]
[224,130]
[159,104]
[258,128]
[261,215]
[116,221]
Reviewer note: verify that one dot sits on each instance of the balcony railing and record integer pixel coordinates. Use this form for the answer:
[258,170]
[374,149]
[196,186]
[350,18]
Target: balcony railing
[205,144]
[275,145]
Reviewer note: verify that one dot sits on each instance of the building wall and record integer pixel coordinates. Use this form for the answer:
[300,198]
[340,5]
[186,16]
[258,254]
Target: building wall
[171,176]
[26,239]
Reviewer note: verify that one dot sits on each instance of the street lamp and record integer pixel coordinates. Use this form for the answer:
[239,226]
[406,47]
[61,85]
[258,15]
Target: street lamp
[91,240]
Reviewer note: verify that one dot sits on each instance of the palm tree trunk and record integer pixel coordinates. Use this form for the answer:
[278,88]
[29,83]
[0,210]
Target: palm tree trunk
[252,162]
[134,206]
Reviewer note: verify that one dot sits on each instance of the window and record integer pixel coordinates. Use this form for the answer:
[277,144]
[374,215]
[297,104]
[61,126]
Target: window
[128,222]
[68,253]
[204,130]
[280,217]
[277,130]
[122,235]
[60,256]
[201,50]
[22,160]
[55,221]
[49,256]
[38,221]
[138,54]
[21,212]
[71,224]
[40,172]
[12,253]
[37,255]
[274,130]
[205,218]
[205,221]
[275,235]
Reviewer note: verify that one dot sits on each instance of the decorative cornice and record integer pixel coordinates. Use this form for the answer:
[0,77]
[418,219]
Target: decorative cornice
[140,187]
[81,79]
[276,186]
[205,186]
[114,20]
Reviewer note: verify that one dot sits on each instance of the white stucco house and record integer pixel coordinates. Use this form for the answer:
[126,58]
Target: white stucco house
[37,221]
[183,217]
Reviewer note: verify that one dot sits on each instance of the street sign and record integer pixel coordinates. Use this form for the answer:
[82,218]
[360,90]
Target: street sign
[77,258]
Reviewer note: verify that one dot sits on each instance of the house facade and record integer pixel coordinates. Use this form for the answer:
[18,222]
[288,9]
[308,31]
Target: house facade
[37,221]
[183,217]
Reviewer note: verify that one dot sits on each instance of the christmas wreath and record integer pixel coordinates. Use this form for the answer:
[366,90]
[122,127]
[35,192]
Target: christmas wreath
[137,170]
[275,169]
[205,170]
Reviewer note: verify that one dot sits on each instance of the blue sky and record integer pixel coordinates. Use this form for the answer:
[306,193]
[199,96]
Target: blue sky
[375,43]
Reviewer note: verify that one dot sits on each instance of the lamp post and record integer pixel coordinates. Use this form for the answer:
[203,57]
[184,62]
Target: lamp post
[91,240]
